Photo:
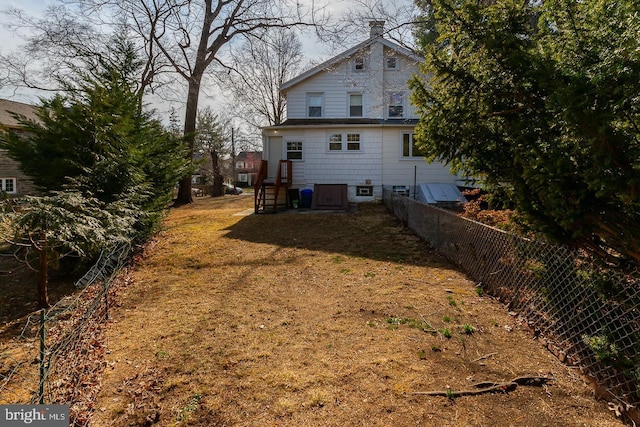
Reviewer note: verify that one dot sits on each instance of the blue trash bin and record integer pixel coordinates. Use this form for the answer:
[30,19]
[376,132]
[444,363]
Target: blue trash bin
[305,198]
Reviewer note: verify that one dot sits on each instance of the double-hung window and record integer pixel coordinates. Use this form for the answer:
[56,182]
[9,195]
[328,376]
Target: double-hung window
[8,185]
[337,142]
[315,105]
[353,142]
[396,105]
[294,150]
[355,105]
[359,63]
[409,148]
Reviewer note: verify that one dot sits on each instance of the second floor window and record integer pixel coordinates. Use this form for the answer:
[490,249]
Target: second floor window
[396,105]
[315,103]
[355,105]
[359,64]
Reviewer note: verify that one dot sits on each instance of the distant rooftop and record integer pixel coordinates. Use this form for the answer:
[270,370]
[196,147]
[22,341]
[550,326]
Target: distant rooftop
[6,106]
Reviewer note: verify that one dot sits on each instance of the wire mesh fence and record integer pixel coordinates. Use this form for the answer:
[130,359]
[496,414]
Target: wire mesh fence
[58,356]
[587,316]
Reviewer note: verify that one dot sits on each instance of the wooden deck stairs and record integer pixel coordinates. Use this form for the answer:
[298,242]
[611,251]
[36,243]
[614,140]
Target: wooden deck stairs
[268,190]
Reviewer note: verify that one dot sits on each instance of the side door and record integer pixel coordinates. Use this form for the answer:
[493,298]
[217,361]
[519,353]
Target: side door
[275,154]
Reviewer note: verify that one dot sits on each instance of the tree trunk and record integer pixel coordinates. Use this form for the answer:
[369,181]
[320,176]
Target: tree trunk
[43,279]
[218,185]
[190,118]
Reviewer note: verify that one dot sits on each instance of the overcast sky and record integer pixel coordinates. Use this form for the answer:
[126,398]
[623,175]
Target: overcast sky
[10,41]
[312,50]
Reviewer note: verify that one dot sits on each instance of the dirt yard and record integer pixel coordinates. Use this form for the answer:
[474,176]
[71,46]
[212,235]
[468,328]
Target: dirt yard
[323,319]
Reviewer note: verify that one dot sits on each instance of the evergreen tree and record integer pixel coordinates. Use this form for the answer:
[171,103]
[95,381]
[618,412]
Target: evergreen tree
[542,100]
[210,145]
[97,139]
[107,168]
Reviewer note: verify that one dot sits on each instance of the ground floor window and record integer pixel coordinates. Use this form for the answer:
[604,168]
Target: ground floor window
[8,185]
[409,148]
[337,142]
[294,150]
[364,190]
[401,190]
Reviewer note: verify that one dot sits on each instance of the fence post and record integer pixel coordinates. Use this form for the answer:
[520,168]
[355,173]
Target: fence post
[106,299]
[438,230]
[43,355]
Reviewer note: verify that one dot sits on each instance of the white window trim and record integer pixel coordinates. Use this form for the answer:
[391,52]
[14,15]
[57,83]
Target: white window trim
[411,146]
[356,59]
[3,185]
[287,151]
[344,142]
[311,95]
[349,103]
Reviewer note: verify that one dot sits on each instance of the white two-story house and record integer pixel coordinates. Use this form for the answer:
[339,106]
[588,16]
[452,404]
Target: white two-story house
[349,123]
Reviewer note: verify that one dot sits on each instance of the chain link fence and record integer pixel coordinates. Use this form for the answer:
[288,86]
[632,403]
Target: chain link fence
[588,317]
[58,357]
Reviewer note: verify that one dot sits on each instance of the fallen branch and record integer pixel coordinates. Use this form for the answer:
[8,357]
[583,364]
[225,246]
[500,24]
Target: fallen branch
[488,387]
[486,356]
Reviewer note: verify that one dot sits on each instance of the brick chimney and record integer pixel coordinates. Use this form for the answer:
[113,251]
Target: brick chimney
[376,29]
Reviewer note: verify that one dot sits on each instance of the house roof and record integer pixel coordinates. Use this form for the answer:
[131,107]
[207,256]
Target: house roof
[315,122]
[346,55]
[7,106]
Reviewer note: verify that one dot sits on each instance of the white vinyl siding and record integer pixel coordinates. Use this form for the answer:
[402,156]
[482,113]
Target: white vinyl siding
[400,170]
[340,80]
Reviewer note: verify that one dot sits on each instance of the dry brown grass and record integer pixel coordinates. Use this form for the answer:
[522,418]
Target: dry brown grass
[318,320]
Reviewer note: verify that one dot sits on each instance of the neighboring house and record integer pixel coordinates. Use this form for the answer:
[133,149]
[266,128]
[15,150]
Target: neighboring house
[247,167]
[349,123]
[12,181]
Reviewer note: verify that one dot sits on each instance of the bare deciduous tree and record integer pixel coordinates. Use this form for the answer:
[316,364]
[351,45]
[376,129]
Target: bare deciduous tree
[191,35]
[210,145]
[187,36]
[260,67]
[400,16]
